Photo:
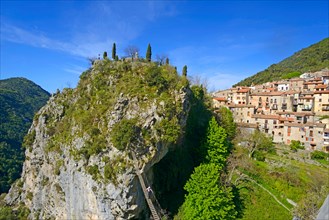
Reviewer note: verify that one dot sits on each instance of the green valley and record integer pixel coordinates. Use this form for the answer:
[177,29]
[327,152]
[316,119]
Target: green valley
[20,99]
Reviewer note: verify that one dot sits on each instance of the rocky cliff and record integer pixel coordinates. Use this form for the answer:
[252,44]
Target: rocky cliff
[78,163]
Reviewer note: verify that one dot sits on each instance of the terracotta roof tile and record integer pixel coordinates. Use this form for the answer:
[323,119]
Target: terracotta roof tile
[322,92]
[265,116]
[220,98]
[321,86]
[243,90]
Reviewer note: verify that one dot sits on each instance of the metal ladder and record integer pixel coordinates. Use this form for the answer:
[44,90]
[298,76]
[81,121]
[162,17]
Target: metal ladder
[141,180]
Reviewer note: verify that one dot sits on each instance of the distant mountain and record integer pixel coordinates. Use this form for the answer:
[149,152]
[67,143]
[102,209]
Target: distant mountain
[312,58]
[20,99]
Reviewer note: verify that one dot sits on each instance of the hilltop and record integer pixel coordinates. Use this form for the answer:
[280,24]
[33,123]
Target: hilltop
[79,161]
[20,99]
[310,59]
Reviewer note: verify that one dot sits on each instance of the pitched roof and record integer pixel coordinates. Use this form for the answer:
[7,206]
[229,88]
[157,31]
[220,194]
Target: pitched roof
[321,86]
[243,90]
[308,124]
[265,116]
[322,92]
[220,98]
[274,93]
[240,106]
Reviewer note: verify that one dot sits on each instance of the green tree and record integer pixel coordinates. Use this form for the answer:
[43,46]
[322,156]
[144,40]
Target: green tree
[167,61]
[114,52]
[184,71]
[257,142]
[295,145]
[149,53]
[216,145]
[206,198]
[227,122]
[20,99]
[105,55]
[124,133]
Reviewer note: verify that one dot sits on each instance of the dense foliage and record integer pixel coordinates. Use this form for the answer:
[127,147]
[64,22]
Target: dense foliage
[216,147]
[124,133]
[295,145]
[172,172]
[207,196]
[312,58]
[20,99]
[226,120]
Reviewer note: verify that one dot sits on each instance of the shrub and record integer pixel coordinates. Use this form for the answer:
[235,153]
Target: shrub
[124,133]
[319,155]
[29,139]
[295,145]
[93,171]
[259,155]
[169,130]
[153,77]
[58,166]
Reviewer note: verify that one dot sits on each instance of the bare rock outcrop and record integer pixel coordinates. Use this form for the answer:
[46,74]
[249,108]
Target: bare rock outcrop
[75,167]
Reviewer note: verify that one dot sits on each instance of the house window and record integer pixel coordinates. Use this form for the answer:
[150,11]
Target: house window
[311,133]
[320,100]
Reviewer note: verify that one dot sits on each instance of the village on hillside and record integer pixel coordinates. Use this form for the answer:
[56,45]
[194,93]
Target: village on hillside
[295,109]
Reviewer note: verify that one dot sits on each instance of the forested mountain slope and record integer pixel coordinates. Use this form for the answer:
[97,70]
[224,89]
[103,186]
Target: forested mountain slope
[310,59]
[20,99]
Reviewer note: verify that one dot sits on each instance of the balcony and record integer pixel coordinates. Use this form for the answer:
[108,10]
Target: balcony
[274,107]
[284,106]
[306,108]
[325,108]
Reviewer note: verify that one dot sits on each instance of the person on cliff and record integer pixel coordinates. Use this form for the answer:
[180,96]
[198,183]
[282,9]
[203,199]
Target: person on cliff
[149,192]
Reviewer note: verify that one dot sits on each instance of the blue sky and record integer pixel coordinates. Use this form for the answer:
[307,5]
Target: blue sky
[224,42]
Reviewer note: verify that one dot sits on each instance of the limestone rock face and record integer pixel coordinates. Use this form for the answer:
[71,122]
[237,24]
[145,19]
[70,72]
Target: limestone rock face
[73,170]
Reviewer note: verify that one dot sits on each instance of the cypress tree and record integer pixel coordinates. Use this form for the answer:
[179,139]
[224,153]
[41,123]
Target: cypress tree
[149,53]
[184,71]
[105,55]
[114,51]
[167,61]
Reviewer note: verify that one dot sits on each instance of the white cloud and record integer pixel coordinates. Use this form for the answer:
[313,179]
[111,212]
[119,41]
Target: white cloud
[92,28]
[75,69]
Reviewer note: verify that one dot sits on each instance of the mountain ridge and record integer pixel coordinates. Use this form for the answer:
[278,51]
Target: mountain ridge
[310,59]
[20,98]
